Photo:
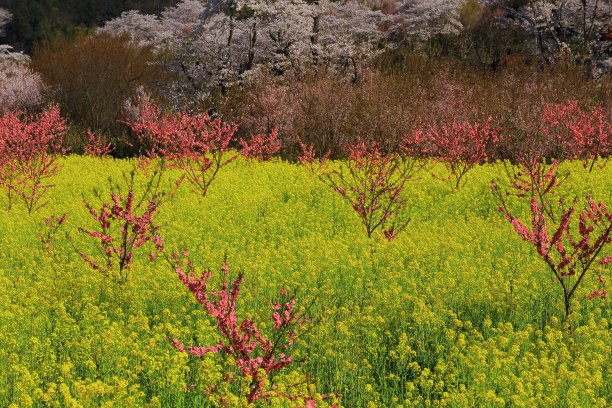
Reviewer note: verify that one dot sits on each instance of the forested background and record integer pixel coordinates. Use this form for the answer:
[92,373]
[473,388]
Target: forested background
[37,20]
[322,70]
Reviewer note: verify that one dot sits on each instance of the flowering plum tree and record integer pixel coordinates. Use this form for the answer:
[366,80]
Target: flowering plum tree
[96,146]
[583,135]
[255,355]
[123,224]
[30,146]
[569,256]
[460,145]
[193,143]
[261,147]
[372,182]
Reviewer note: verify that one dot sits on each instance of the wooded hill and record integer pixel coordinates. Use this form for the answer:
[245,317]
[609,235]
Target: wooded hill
[36,20]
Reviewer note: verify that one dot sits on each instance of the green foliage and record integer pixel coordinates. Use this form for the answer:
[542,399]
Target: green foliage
[457,311]
[38,20]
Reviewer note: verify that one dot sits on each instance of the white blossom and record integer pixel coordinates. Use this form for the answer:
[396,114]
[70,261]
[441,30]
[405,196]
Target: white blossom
[19,85]
[561,25]
[218,43]
[422,19]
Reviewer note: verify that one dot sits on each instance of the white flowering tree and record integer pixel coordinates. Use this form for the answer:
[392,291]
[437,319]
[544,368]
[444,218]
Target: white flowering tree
[564,25]
[19,85]
[218,43]
[423,19]
[575,30]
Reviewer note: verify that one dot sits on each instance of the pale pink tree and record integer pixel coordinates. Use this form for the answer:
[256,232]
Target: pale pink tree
[565,28]
[220,44]
[5,17]
[19,85]
[420,20]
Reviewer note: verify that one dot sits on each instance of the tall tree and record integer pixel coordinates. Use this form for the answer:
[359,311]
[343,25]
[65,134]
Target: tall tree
[217,44]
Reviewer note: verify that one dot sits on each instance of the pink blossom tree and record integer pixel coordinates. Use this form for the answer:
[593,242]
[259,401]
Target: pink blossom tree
[261,146]
[372,182]
[569,256]
[30,146]
[256,356]
[194,143]
[122,225]
[96,147]
[584,135]
[459,144]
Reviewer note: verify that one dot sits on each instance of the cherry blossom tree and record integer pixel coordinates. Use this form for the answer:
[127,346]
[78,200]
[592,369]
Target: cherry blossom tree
[564,28]
[19,85]
[423,19]
[216,45]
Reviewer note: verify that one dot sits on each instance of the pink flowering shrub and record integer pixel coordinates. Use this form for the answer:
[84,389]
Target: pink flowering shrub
[460,145]
[30,146]
[583,135]
[309,159]
[256,356]
[96,146]
[569,255]
[193,143]
[372,182]
[262,146]
[123,225]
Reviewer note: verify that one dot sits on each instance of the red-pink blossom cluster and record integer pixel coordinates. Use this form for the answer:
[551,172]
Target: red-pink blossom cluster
[372,182]
[309,159]
[30,146]
[251,350]
[460,145]
[52,226]
[194,143]
[570,256]
[96,146]
[123,225]
[585,135]
[262,146]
